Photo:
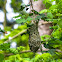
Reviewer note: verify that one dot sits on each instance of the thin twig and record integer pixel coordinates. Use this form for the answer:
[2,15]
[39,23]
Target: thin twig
[6,55]
[46,23]
[16,36]
[31,4]
[32,11]
[58,50]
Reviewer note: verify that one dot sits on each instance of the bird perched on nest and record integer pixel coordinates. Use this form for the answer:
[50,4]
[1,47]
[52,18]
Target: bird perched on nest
[34,38]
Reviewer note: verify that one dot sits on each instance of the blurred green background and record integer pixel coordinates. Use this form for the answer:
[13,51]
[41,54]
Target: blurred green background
[12,51]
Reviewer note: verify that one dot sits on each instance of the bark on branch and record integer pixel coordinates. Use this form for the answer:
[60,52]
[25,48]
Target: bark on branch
[16,36]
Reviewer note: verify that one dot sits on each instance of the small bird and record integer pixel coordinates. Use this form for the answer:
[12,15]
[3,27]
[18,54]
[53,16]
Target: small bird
[34,38]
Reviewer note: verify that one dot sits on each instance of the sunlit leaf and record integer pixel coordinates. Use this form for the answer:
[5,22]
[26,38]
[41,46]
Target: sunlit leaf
[50,15]
[60,23]
[43,11]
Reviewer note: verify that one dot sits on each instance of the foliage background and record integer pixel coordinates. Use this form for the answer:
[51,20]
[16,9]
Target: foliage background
[52,42]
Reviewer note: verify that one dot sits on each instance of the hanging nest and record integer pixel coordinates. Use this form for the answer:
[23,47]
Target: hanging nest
[34,38]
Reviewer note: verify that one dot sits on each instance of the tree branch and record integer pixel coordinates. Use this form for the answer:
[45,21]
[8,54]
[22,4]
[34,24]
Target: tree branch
[31,4]
[16,36]
[6,55]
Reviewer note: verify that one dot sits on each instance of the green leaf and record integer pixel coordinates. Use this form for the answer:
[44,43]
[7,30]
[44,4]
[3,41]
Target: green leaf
[20,20]
[51,51]
[48,4]
[22,7]
[55,20]
[41,16]
[53,7]
[60,23]
[0,29]
[7,61]
[54,27]
[1,57]
[35,0]
[50,15]
[29,19]
[30,14]
[43,11]
[17,61]
[18,16]
[38,17]
[27,5]
[58,14]
[35,12]
[45,37]
[4,46]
